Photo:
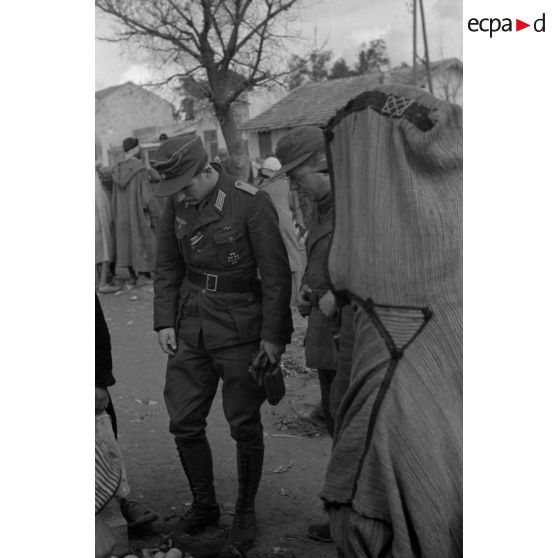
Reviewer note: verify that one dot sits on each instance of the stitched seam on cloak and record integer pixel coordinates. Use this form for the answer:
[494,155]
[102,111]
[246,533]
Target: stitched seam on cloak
[346,403]
[396,355]
[373,416]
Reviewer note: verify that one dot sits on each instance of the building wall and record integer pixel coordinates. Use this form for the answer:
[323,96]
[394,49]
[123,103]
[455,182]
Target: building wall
[251,104]
[126,109]
[209,123]
[254,143]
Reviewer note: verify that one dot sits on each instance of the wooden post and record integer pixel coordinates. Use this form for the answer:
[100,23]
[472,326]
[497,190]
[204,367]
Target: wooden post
[415,42]
[426,57]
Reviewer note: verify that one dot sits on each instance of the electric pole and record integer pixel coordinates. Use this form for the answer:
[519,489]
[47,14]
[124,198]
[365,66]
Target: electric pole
[426,59]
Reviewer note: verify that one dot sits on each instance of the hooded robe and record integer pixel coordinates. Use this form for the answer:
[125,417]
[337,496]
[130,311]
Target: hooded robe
[104,244]
[134,222]
[279,192]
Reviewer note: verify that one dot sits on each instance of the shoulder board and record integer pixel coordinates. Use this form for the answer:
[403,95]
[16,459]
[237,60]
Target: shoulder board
[241,185]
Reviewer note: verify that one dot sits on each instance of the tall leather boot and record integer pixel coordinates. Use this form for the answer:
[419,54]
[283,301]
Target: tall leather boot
[197,463]
[249,463]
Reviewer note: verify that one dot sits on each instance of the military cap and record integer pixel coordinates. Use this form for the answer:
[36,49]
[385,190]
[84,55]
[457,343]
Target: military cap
[178,160]
[297,146]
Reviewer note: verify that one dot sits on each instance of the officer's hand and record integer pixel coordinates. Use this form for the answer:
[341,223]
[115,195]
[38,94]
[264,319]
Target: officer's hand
[328,304]
[167,340]
[302,302]
[272,350]
[101,399]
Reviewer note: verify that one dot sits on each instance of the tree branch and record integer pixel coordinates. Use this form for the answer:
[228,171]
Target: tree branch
[139,28]
[272,15]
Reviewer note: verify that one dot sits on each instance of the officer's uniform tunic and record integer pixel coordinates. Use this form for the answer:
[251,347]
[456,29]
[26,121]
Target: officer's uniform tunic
[218,315]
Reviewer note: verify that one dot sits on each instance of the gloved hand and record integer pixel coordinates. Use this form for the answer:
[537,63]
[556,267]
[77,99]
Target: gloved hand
[268,375]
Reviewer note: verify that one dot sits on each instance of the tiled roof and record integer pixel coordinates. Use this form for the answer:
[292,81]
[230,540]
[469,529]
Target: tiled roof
[314,104]
[102,93]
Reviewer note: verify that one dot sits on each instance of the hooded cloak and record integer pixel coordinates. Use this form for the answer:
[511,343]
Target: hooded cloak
[134,224]
[104,244]
[394,483]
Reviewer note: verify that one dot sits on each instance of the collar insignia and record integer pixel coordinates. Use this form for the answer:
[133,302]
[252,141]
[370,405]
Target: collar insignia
[220,201]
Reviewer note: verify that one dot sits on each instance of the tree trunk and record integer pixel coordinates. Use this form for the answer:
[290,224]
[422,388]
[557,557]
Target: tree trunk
[239,159]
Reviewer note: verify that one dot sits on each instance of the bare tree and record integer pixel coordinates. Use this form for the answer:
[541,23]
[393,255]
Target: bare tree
[227,47]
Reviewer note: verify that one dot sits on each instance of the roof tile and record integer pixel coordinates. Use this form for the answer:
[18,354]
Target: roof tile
[313,104]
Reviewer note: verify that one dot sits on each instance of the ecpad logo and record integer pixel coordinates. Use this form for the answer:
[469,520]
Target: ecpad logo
[494,24]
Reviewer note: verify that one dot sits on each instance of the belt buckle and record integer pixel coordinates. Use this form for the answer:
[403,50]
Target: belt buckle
[214,278]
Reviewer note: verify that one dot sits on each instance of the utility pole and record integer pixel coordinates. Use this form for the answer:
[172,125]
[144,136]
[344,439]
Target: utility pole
[426,58]
[414,42]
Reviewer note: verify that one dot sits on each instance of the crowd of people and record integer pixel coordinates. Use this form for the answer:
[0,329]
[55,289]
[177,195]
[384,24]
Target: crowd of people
[375,267]
[126,217]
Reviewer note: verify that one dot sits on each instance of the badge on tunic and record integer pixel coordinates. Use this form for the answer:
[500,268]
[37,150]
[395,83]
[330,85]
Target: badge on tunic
[233,258]
[196,238]
[220,201]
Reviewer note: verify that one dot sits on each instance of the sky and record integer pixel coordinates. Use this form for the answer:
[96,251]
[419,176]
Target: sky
[341,25]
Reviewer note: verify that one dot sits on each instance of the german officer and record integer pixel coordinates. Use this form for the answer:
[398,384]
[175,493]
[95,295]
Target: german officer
[212,314]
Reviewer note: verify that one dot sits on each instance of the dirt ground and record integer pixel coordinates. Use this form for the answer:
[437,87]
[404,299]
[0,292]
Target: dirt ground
[296,452]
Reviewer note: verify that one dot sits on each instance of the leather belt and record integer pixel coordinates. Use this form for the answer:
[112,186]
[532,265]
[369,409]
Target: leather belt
[218,283]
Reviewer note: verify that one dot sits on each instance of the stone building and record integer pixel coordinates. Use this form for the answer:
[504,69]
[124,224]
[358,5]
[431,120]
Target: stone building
[127,110]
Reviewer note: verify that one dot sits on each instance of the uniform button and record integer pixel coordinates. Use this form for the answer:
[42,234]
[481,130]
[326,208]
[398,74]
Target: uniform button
[203,291]
[231,238]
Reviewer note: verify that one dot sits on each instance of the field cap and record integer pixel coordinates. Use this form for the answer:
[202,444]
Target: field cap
[178,160]
[297,146]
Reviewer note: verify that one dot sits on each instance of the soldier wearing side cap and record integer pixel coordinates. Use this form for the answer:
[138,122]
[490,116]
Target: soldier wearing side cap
[302,155]
[212,314]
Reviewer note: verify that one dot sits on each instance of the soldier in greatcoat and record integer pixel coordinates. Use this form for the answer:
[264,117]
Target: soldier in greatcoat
[213,313]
